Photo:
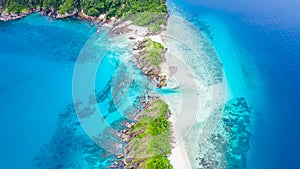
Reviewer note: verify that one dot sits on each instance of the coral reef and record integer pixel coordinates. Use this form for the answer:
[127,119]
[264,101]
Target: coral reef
[228,145]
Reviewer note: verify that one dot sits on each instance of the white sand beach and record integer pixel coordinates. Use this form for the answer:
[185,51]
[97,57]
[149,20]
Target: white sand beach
[199,95]
[196,100]
[179,157]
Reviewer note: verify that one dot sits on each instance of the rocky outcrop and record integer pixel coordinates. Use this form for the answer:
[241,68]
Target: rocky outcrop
[10,16]
[153,72]
[120,27]
[54,14]
[138,138]
[101,19]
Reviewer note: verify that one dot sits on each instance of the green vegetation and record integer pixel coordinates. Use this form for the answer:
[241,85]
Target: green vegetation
[158,162]
[152,53]
[15,7]
[121,8]
[68,6]
[95,7]
[118,8]
[152,20]
[149,13]
[152,143]
[50,4]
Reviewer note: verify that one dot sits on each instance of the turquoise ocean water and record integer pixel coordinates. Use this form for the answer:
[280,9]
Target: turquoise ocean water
[257,43]
[37,60]
[40,128]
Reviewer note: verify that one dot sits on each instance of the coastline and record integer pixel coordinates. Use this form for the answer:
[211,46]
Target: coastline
[199,96]
[206,145]
[41,60]
[221,136]
[55,15]
[139,34]
[136,34]
[179,157]
[179,74]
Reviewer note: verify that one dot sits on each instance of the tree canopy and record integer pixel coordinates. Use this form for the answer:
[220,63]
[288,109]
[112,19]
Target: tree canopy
[118,8]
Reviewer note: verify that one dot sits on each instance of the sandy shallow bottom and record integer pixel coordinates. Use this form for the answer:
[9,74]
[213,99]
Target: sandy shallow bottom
[201,88]
[195,72]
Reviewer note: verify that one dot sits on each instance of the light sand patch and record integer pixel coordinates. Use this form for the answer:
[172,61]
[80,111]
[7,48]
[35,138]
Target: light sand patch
[199,94]
[190,67]
[178,158]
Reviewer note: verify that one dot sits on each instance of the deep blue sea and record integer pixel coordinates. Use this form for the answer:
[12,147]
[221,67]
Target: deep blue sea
[259,45]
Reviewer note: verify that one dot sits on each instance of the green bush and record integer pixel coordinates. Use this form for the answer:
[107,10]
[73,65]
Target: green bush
[153,52]
[15,7]
[55,4]
[68,6]
[158,162]
[153,137]
[152,20]
[93,12]
[149,13]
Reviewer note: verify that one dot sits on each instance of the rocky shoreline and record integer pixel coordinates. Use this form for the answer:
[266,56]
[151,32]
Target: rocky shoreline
[151,71]
[126,136]
[55,15]
[10,16]
[144,48]
[129,159]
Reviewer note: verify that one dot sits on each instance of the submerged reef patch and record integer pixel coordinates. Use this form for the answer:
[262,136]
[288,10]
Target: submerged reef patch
[71,148]
[228,145]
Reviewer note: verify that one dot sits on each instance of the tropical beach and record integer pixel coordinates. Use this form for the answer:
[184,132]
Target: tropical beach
[144,84]
[172,66]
